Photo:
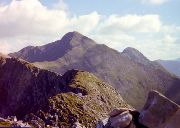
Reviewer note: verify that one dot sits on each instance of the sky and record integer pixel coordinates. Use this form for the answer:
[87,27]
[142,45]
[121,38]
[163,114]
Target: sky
[151,26]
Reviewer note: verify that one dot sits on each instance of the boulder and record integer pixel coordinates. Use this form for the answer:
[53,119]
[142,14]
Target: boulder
[174,122]
[103,123]
[158,111]
[122,120]
[116,112]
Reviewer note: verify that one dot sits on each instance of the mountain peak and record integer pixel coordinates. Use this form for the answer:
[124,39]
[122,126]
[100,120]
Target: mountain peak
[131,50]
[55,50]
[72,34]
[75,39]
[135,55]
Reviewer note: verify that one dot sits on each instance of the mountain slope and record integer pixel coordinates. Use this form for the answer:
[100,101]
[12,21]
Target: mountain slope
[130,71]
[32,94]
[172,66]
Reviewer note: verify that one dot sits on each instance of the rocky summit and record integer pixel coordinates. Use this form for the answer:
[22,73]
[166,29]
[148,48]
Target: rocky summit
[45,99]
[130,72]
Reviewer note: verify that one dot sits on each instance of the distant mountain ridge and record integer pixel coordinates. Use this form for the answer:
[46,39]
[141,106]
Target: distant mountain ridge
[54,50]
[172,66]
[34,94]
[130,72]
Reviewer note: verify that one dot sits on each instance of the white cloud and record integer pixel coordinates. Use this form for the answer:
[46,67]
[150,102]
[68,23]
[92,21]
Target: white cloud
[29,18]
[156,2]
[134,23]
[28,22]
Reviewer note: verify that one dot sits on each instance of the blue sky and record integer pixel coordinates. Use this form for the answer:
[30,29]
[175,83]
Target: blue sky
[168,11]
[151,26]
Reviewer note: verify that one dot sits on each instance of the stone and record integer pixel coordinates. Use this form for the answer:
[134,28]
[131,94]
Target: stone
[77,125]
[135,122]
[174,122]
[157,111]
[132,125]
[102,123]
[116,112]
[122,120]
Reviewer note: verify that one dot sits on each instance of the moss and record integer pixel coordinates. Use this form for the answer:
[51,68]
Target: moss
[5,124]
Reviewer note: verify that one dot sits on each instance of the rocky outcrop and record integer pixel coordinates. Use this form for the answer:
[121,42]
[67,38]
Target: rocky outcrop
[24,88]
[43,98]
[130,72]
[158,111]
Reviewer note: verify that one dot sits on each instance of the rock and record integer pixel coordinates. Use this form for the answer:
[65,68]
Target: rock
[78,125]
[135,122]
[10,122]
[102,123]
[174,122]
[122,120]
[116,112]
[116,118]
[132,125]
[2,119]
[158,111]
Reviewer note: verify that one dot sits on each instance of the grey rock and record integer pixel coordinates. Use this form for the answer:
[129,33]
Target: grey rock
[102,123]
[122,120]
[157,111]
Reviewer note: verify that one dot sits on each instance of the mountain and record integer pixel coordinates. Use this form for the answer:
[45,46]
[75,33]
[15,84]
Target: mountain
[41,97]
[54,50]
[172,66]
[130,72]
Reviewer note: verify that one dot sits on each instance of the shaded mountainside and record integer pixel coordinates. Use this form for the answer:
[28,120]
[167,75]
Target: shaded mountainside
[172,66]
[32,94]
[130,71]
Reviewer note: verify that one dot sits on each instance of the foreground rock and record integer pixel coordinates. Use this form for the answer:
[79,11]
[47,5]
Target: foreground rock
[160,112]
[121,118]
